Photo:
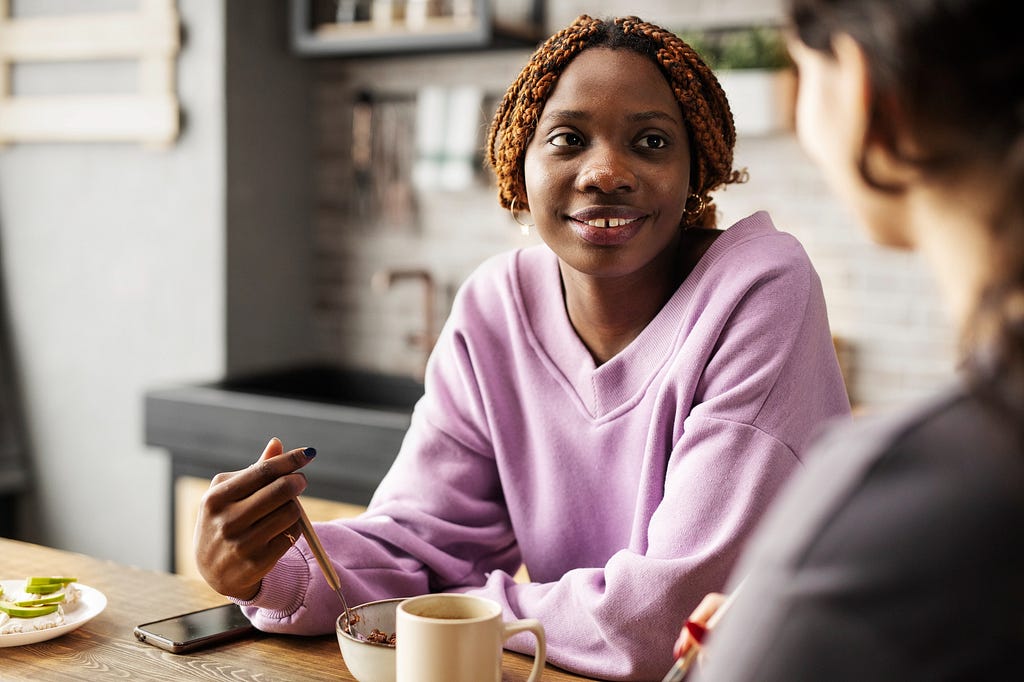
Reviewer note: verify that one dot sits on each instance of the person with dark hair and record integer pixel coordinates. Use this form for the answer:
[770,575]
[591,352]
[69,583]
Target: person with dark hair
[896,554]
[612,409]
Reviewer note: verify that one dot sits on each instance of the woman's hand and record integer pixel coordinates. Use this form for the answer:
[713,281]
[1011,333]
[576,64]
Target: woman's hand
[247,520]
[698,621]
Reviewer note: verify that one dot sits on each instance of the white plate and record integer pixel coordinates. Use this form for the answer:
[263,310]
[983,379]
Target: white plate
[90,604]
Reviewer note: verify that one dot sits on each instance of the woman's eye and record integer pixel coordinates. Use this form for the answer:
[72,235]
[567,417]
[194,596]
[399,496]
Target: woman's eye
[566,140]
[653,141]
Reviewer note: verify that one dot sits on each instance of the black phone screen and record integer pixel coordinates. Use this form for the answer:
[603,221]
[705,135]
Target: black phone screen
[197,628]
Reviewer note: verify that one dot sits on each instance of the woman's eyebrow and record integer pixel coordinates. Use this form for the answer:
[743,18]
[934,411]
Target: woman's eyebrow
[565,115]
[653,115]
[577,115]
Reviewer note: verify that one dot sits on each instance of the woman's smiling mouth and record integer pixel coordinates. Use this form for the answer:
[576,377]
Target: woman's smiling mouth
[608,222]
[606,226]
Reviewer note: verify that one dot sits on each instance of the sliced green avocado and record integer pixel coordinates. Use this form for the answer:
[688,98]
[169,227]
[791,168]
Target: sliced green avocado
[53,599]
[15,611]
[48,580]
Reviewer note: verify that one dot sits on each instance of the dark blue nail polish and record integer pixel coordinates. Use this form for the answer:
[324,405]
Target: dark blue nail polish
[310,453]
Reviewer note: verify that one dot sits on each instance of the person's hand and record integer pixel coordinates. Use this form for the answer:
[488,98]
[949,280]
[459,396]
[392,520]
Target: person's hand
[697,621]
[247,520]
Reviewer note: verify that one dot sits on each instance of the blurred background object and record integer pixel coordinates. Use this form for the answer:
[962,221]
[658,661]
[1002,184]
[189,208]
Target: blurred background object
[14,454]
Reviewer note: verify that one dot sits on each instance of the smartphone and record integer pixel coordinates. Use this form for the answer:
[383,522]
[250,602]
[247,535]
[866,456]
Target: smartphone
[189,631]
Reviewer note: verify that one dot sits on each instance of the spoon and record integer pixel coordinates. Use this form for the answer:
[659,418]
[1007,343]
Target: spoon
[325,564]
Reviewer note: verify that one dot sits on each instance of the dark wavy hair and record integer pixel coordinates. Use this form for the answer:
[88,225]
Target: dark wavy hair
[950,74]
[703,104]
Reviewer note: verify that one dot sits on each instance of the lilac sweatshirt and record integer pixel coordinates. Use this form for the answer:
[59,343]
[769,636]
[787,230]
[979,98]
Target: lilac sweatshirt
[628,490]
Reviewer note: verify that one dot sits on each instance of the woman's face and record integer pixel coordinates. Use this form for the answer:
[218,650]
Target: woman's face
[832,125]
[608,168]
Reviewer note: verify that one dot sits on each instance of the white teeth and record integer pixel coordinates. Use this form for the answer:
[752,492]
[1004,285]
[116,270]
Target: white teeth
[608,222]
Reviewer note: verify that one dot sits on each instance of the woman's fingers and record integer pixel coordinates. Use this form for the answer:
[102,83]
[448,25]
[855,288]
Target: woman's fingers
[247,519]
[237,518]
[695,626]
[273,449]
[258,547]
[238,485]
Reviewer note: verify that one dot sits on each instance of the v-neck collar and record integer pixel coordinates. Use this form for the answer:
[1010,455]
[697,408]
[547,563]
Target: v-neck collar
[617,385]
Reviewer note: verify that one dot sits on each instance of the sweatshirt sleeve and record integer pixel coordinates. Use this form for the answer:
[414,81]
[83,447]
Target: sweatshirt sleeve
[619,621]
[437,522]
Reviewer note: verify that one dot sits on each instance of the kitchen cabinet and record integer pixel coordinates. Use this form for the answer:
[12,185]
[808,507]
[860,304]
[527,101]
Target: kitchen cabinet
[367,27]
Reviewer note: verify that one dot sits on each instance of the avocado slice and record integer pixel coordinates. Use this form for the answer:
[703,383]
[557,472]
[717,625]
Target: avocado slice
[15,611]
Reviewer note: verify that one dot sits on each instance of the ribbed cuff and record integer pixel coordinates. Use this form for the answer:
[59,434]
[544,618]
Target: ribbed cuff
[283,588]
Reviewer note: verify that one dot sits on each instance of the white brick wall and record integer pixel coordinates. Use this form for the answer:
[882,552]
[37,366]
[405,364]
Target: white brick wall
[882,303]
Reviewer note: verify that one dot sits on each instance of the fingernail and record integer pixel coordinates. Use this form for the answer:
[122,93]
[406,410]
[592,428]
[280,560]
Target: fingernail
[696,630]
[310,453]
[677,649]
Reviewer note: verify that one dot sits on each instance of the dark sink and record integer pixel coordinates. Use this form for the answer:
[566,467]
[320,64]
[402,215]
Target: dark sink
[355,419]
[332,385]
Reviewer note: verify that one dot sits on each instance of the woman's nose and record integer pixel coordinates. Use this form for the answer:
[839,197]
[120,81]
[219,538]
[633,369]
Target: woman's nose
[606,170]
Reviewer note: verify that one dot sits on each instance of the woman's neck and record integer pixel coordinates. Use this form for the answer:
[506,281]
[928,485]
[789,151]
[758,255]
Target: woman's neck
[608,314]
[953,234]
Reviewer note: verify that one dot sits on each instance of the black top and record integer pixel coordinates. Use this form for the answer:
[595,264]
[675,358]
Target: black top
[898,554]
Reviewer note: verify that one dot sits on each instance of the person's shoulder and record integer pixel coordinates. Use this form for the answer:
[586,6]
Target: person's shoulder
[759,245]
[752,254]
[501,279]
[502,268]
[879,429]
[758,233]
[944,485]
[966,438]
[953,449]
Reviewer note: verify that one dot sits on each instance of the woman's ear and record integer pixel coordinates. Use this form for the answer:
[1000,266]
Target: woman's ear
[876,119]
[853,85]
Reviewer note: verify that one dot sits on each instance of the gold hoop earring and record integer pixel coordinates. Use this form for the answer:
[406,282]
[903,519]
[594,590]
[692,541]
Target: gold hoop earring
[694,212]
[524,228]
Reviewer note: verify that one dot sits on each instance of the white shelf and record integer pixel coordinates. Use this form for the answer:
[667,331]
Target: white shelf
[476,30]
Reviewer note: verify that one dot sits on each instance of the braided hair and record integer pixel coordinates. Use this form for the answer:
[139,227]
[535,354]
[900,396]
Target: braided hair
[705,109]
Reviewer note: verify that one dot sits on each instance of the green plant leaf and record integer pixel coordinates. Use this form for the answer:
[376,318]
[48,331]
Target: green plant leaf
[751,47]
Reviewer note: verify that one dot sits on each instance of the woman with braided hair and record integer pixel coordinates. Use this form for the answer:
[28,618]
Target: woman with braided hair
[897,553]
[612,409]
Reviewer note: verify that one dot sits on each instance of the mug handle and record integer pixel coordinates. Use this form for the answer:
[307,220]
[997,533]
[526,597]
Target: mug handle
[540,655]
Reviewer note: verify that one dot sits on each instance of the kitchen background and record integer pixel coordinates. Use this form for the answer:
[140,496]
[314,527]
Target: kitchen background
[263,234]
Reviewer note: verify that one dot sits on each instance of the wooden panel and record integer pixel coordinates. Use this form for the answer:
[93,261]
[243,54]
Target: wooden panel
[101,36]
[150,116]
[67,118]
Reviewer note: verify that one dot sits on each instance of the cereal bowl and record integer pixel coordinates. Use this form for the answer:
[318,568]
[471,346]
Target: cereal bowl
[369,661]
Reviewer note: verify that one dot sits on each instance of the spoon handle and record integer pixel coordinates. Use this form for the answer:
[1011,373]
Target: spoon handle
[321,558]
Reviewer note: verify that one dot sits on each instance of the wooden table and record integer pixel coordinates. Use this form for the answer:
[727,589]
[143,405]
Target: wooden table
[105,648]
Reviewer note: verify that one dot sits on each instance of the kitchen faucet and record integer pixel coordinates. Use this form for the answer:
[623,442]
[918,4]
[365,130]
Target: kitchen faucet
[384,279]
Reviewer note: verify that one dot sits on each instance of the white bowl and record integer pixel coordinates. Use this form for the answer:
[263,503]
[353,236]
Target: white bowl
[368,661]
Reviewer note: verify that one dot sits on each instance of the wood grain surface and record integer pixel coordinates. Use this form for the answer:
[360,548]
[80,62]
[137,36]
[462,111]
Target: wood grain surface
[106,649]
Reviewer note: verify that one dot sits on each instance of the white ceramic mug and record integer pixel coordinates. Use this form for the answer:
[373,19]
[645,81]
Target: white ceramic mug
[457,638]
